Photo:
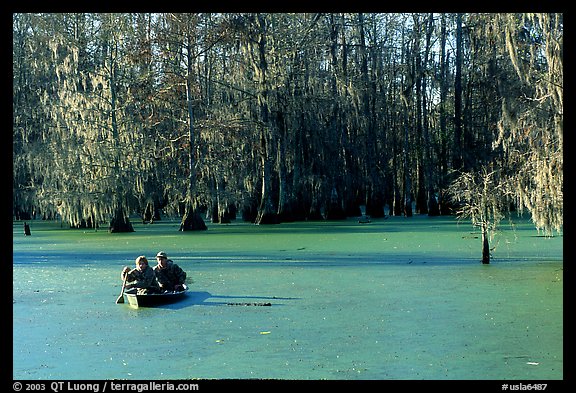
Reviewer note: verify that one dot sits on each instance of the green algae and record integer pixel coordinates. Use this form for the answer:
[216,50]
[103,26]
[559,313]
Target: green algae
[396,299]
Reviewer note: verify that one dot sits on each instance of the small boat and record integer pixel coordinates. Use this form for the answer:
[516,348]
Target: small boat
[153,299]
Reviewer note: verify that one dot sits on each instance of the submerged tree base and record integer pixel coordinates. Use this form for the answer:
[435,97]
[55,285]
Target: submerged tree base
[120,226]
[120,223]
[485,248]
[267,218]
[193,222]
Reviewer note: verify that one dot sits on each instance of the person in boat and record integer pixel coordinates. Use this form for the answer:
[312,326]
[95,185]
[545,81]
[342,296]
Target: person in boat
[142,277]
[169,275]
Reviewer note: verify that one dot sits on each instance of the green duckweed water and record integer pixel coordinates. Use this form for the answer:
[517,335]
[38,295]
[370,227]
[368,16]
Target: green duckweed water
[395,299]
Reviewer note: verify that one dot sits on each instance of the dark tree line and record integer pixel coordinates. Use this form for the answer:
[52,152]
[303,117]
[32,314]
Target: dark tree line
[282,117]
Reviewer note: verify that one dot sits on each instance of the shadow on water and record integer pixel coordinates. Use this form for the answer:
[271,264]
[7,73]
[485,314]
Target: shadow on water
[204,299]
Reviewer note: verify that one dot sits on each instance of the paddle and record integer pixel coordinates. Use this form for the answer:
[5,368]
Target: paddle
[121,297]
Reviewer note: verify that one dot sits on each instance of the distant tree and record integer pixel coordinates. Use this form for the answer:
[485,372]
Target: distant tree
[30,125]
[530,131]
[179,38]
[458,162]
[85,172]
[443,114]
[253,32]
[482,197]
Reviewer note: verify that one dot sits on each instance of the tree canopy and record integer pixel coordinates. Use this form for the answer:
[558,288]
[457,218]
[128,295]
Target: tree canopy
[283,117]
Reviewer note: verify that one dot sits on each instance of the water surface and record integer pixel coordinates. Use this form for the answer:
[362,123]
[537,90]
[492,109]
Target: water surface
[394,299]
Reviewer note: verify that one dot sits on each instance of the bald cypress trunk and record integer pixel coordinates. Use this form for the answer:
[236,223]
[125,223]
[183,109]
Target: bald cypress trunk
[192,219]
[267,212]
[120,221]
[485,246]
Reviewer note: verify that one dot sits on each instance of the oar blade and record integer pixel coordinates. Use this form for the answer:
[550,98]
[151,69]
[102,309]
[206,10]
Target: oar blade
[121,297]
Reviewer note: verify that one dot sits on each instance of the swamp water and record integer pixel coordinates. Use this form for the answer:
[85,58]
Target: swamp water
[401,299]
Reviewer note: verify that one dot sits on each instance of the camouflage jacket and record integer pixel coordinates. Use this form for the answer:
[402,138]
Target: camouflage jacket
[171,275]
[142,279]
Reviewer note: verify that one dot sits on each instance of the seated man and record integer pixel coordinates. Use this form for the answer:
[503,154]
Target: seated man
[142,277]
[169,275]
